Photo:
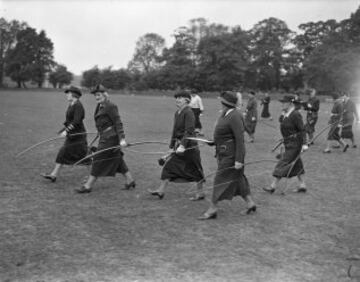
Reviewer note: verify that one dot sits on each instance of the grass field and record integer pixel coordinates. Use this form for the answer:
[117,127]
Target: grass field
[49,233]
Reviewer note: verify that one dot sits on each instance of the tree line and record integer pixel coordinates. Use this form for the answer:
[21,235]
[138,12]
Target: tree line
[206,57]
[27,56]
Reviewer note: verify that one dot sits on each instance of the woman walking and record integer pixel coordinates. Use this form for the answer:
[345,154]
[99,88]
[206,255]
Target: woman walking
[111,132]
[251,116]
[294,136]
[184,162]
[265,102]
[230,180]
[75,146]
[335,123]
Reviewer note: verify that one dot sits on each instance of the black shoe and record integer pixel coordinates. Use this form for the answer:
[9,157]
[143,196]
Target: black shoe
[345,148]
[354,146]
[197,197]
[301,190]
[269,190]
[83,190]
[49,176]
[206,216]
[130,186]
[250,210]
[156,193]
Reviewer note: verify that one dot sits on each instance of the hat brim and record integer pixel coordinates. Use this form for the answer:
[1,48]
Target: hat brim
[227,103]
[72,91]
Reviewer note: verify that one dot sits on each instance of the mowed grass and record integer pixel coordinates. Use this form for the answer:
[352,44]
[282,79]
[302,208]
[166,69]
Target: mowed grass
[49,233]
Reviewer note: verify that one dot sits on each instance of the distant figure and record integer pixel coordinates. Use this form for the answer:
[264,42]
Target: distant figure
[349,115]
[311,106]
[294,136]
[251,116]
[197,108]
[75,146]
[265,102]
[239,100]
[335,123]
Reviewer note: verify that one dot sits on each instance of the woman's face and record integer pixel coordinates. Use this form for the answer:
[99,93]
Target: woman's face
[180,102]
[285,106]
[69,97]
[99,97]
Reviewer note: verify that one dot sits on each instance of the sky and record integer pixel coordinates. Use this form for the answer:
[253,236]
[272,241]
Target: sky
[104,33]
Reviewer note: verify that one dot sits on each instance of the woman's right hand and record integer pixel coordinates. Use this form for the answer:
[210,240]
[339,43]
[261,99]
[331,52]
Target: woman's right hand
[63,133]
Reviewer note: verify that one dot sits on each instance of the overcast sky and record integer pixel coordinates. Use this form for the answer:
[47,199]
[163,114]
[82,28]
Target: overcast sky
[104,33]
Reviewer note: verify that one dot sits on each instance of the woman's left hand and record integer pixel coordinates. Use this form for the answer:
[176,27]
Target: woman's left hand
[238,165]
[123,143]
[180,149]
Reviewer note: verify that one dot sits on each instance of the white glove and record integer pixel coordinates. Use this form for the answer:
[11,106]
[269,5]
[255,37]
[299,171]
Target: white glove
[123,143]
[238,165]
[309,105]
[304,148]
[63,133]
[253,118]
[180,149]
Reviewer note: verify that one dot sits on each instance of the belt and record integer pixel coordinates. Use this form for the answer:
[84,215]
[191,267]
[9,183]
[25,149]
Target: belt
[106,130]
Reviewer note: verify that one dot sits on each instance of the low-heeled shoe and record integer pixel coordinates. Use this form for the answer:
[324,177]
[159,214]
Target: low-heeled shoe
[206,216]
[83,190]
[156,193]
[49,176]
[130,186]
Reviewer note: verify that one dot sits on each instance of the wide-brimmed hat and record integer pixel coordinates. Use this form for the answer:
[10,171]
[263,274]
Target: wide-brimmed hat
[183,94]
[228,98]
[289,99]
[74,90]
[98,88]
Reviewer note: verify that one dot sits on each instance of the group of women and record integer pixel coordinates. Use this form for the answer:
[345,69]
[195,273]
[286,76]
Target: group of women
[183,163]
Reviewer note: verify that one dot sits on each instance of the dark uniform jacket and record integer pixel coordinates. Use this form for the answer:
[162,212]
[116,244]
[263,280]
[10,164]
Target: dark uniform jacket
[292,129]
[349,111]
[107,120]
[184,126]
[229,136]
[75,115]
[251,110]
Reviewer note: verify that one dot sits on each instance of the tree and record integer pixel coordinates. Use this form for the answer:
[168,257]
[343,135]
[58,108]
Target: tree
[31,58]
[60,76]
[8,33]
[91,77]
[269,40]
[223,60]
[147,52]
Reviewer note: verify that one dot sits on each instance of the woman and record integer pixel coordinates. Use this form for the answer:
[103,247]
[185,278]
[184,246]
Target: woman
[230,180]
[350,113]
[111,132]
[75,146]
[184,163]
[265,102]
[251,116]
[294,136]
[335,123]
[312,107]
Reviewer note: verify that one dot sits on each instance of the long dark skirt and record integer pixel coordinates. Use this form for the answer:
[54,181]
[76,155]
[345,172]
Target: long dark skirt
[250,126]
[334,133]
[265,111]
[310,124]
[229,182]
[184,167]
[197,113]
[286,162]
[73,150]
[347,132]
[109,162]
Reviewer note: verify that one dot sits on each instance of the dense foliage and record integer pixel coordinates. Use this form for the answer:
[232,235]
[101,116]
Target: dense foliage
[206,56]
